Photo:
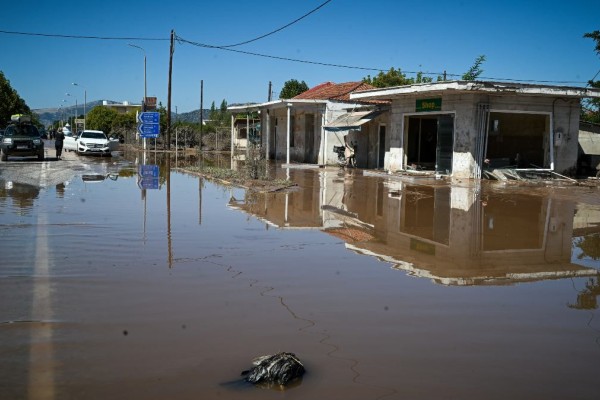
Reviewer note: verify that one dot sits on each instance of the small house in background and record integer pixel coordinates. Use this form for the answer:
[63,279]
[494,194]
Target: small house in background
[588,160]
[122,108]
[297,129]
[464,129]
[245,127]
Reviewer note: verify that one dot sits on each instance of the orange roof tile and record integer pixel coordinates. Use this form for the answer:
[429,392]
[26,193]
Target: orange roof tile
[335,91]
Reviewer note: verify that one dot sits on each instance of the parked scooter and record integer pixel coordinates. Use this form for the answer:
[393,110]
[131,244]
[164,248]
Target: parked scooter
[342,160]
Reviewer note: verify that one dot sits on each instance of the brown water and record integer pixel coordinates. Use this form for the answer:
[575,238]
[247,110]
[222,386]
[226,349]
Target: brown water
[384,289]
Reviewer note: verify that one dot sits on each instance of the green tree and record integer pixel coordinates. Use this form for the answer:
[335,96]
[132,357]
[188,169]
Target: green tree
[124,123]
[101,118]
[212,114]
[424,79]
[223,107]
[162,114]
[393,77]
[10,101]
[590,108]
[219,116]
[475,70]
[292,88]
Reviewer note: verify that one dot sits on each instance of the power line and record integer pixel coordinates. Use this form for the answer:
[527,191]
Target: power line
[197,44]
[54,35]
[276,30]
[182,40]
[203,45]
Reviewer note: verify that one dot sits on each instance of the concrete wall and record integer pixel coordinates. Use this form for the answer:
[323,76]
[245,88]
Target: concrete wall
[323,141]
[563,117]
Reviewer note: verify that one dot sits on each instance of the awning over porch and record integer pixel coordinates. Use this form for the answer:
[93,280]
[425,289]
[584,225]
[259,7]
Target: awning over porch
[590,143]
[351,120]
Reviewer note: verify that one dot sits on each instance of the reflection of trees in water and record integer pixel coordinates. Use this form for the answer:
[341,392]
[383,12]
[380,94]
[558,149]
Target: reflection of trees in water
[589,245]
[587,299]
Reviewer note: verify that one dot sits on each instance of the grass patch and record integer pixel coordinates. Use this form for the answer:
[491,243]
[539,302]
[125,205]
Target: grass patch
[241,178]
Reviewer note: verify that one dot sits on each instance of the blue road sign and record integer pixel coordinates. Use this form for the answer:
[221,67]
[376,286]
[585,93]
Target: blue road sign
[148,176]
[148,171]
[148,183]
[148,130]
[149,118]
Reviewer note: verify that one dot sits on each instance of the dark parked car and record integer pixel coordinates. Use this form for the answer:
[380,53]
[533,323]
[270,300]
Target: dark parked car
[21,139]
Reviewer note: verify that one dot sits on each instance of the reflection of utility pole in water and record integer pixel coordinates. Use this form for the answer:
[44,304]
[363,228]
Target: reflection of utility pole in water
[200,185]
[144,199]
[169,244]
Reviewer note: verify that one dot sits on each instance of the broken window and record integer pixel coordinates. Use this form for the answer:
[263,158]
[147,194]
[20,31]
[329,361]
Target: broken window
[518,140]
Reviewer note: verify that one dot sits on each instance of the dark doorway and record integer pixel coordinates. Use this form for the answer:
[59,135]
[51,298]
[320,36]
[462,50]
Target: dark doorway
[430,142]
[309,139]
[381,147]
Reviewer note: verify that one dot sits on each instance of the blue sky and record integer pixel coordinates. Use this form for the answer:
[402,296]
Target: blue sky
[524,40]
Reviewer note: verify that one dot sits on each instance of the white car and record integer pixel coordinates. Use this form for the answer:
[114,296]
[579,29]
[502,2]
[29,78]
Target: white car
[93,142]
[70,142]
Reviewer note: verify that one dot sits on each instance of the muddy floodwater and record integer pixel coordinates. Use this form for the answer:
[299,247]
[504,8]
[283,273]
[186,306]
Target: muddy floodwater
[131,282]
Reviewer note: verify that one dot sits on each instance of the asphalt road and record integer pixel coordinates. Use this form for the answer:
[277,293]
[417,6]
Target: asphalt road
[50,172]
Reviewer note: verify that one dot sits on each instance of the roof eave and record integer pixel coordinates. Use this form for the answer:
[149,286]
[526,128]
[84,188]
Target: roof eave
[282,103]
[476,86]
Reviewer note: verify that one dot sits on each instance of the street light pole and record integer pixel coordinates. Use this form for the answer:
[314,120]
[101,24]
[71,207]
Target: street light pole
[145,87]
[84,101]
[65,113]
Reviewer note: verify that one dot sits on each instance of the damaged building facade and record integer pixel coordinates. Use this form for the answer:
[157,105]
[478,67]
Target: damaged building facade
[463,128]
[307,128]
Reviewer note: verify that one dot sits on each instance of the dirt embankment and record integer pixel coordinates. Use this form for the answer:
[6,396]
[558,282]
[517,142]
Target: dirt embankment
[233,178]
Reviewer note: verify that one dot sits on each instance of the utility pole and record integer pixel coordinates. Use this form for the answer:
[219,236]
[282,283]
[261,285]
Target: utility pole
[201,111]
[171,51]
[270,89]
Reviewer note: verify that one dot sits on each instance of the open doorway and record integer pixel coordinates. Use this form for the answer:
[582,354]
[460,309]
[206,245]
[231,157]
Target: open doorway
[518,140]
[430,141]
[381,147]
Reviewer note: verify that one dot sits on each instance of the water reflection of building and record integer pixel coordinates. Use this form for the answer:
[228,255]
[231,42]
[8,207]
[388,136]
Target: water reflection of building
[453,235]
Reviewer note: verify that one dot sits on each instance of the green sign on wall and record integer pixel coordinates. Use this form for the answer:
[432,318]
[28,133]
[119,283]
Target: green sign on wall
[424,105]
[422,247]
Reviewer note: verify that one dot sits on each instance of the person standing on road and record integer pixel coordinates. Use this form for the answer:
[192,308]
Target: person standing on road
[58,143]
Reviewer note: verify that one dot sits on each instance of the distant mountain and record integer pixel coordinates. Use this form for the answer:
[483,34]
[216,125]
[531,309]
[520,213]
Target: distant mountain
[49,115]
[192,116]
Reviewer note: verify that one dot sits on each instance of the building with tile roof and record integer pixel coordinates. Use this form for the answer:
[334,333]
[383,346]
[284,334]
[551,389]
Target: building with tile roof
[297,130]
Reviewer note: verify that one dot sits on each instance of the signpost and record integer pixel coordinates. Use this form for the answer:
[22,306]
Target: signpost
[79,122]
[148,124]
[148,176]
[148,130]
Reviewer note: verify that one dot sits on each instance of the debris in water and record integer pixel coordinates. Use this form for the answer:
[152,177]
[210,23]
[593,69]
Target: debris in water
[280,368]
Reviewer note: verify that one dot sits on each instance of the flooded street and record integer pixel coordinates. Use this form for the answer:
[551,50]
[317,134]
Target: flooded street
[116,286]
